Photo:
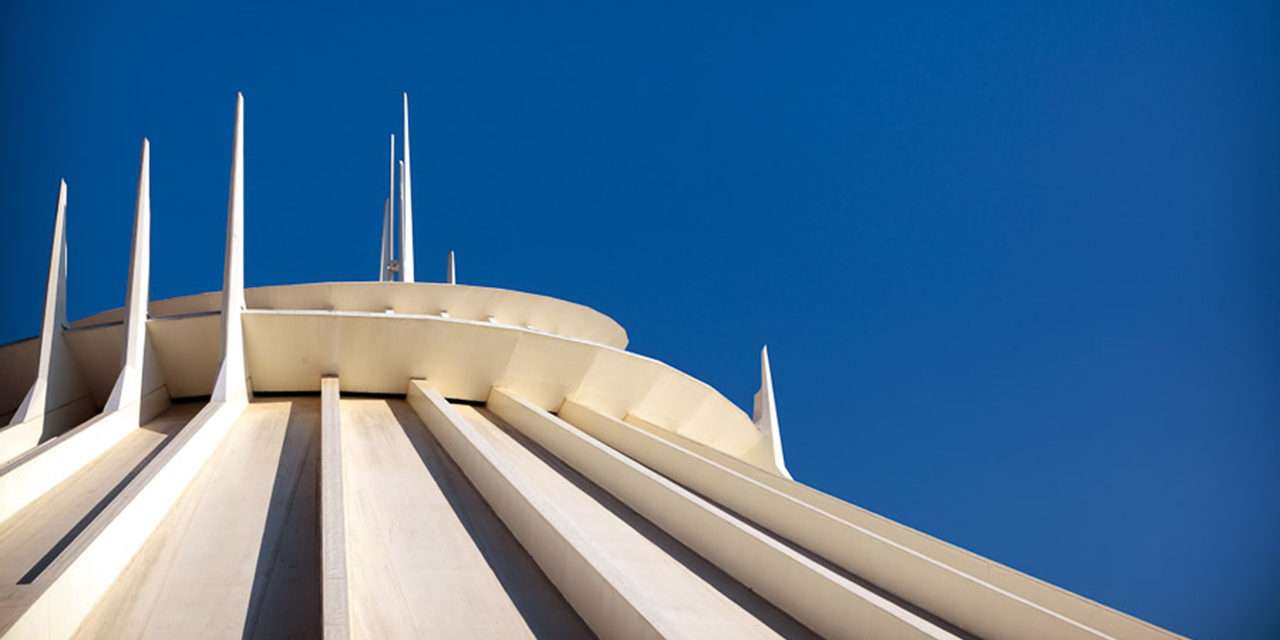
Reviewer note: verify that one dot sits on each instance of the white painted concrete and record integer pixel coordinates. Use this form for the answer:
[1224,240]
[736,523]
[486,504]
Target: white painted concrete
[825,601]
[622,575]
[57,399]
[961,599]
[428,556]
[335,588]
[238,554]
[231,385]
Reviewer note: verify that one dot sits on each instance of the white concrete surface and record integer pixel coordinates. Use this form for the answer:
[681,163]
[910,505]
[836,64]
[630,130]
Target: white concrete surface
[824,600]
[238,554]
[335,588]
[32,537]
[968,602]
[427,556]
[625,577]
[57,399]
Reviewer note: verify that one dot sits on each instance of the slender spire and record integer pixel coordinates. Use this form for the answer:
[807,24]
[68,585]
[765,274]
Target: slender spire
[406,204]
[55,316]
[128,389]
[451,271]
[230,386]
[765,414]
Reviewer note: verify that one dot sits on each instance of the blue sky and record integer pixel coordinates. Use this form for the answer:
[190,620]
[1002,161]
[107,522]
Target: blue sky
[1016,265]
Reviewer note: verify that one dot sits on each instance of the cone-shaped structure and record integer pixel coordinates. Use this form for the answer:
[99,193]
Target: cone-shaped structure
[128,389]
[231,386]
[406,204]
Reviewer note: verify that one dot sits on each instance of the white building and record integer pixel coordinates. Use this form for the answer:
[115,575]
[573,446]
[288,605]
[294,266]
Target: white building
[399,459]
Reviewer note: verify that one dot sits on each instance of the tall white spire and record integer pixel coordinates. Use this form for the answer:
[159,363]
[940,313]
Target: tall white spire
[406,204]
[52,348]
[386,272]
[451,270]
[765,414]
[230,386]
[128,389]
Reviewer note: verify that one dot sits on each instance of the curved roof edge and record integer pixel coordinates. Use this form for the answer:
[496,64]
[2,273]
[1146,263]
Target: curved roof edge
[464,302]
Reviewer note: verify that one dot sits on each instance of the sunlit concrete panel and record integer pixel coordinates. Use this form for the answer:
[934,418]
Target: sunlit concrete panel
[623,575]
[34,537]
[427,556]
[964,600]
[238,554]
[828,602]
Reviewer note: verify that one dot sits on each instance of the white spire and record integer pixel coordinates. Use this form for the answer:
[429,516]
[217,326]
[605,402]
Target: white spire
[128,389]
[406,204]
[451,270]
[765,414]
[230,386]
[55,317]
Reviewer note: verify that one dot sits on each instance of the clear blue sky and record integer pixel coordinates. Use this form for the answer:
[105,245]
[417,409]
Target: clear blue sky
[1016,266]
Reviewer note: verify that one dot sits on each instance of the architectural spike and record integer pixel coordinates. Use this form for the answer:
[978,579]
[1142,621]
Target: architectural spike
[128,389]
[54,319]
[57,398]
[451,270]
[231,385]
[765,415]
[406,204]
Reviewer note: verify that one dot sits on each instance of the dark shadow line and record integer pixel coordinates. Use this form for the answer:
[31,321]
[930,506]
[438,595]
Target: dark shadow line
[65,541]
[276,526]
[511,569]
[750,602]
[817,559]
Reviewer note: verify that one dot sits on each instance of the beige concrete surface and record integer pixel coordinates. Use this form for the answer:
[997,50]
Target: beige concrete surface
[465,302]
[831,603]
[335,589]
[28,476]
[623,575]
[427,556]
[1092,614]
[238,554]
[963,600]
[35,536]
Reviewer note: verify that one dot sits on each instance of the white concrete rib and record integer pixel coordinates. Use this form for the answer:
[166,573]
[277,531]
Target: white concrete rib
[1043,594]
[545,533]
[825,601]
[959,598]
[335,595]
[86,569]
[427,556]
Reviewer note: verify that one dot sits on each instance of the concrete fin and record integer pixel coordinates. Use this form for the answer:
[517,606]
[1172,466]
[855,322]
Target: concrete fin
[765,415]
[231,384]
[58,398]
[335,590]
[826,601]
[135,365]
